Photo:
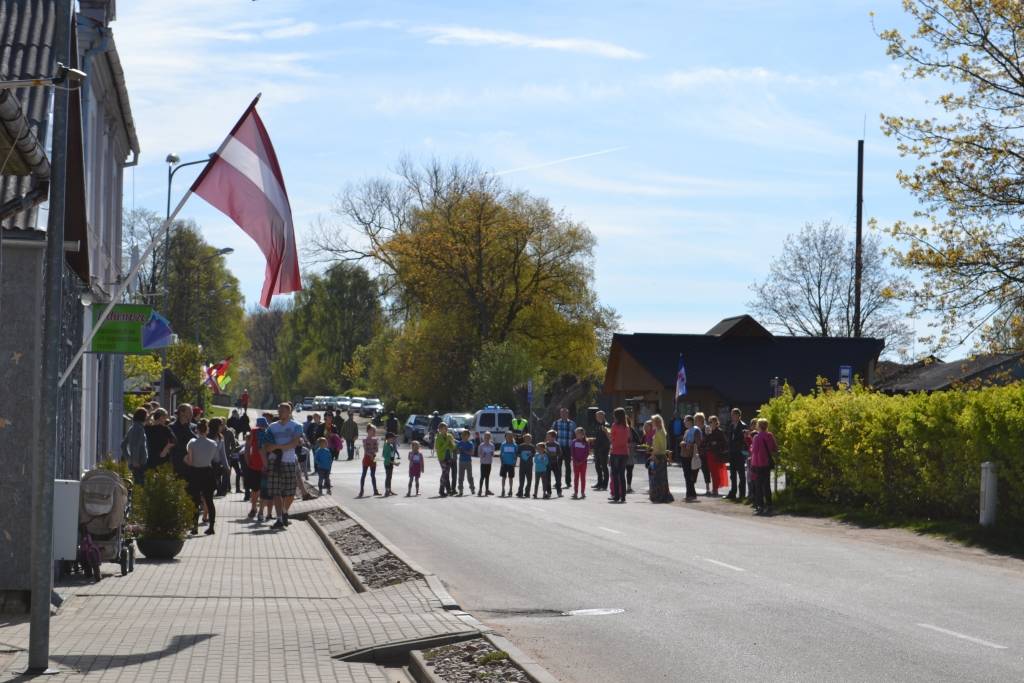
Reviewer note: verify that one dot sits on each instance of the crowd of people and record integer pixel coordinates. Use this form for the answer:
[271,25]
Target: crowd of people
[272,458]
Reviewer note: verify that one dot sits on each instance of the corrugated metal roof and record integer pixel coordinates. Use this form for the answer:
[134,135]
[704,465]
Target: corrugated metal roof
[26,36]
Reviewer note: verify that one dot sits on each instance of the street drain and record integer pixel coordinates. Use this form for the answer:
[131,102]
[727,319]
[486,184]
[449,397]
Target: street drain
[593,612]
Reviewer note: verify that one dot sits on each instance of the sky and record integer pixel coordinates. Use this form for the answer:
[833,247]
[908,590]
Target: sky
[691,137]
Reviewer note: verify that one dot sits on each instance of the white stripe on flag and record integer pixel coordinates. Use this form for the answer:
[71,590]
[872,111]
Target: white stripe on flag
[249,164]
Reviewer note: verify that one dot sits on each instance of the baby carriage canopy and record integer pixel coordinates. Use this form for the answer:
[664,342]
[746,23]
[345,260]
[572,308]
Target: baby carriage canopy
[101,502]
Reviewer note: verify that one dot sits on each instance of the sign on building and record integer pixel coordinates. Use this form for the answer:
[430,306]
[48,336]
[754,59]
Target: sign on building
[130,329]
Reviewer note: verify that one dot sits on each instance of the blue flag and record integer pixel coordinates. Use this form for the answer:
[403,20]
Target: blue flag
[681,378]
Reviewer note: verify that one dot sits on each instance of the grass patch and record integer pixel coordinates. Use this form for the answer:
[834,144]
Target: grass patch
[999,539]
[217,411]
[492,657]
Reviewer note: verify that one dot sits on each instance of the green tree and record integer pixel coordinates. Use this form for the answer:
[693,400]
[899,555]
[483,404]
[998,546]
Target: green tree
[969,234]
[500,368]
[465,262]
[140,371]
[185,360]
[263,327]
[337,312]
[204,302]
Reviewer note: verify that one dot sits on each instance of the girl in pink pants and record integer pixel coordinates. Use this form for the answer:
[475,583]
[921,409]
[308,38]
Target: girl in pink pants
[579,449]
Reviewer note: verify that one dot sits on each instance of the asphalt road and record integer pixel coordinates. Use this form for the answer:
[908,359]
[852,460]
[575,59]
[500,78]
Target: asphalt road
[706,595]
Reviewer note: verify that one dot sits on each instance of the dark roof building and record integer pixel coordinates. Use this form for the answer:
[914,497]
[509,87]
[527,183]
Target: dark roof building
[733,365]
[933,374]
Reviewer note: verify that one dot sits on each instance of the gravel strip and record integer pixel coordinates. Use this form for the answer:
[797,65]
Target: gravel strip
[328,515]
[473,660]
[354,540]
[385,570]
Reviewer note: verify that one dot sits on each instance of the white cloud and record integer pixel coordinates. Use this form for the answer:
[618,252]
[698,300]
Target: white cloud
[468,35]
[366,24]
[703,77]
[298,30]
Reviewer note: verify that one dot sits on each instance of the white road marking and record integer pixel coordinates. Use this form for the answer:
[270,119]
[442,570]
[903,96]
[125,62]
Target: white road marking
[611,531]
[723,564]
[963,636]
[399,503]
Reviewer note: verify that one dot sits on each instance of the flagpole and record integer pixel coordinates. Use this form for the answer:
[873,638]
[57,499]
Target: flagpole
[120,287]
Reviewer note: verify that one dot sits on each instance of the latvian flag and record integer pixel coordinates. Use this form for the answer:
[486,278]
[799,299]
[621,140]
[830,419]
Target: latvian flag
[244,181]
[681,379]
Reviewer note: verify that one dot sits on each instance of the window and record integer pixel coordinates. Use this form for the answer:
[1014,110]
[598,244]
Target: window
[505,420]
[487,420]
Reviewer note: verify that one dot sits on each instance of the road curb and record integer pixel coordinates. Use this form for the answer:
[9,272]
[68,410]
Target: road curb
[419,669]
[534,671]
[339,558]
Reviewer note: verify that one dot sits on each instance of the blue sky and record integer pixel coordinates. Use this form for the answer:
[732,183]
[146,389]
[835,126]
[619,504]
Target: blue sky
[708,131]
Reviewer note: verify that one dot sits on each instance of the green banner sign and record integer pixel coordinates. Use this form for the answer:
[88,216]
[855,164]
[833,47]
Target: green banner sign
[121,332]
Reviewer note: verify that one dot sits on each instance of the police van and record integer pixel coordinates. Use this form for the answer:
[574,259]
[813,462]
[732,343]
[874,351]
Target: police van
[493,419]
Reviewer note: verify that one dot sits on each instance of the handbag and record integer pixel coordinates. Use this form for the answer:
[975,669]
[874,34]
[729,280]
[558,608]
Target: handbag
[695,462]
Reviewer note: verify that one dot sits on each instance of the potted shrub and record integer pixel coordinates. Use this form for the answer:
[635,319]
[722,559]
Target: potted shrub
[165,513]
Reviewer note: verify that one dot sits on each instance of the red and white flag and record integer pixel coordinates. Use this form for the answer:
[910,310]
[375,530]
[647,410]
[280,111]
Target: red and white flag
[244,181]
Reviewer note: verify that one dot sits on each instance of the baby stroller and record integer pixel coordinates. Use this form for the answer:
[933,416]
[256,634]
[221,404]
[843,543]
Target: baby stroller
[103,507]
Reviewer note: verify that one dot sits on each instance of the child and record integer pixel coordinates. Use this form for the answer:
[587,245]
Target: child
[579,449]
[554,453]
[526,453]
[762,451]
[415,467]
[266,446]
[369,460]
[466,448]
[541,459]
[486,453]
[444,448]
[509,454]
[334,443]
[254,465]
[322,459]
[390,451]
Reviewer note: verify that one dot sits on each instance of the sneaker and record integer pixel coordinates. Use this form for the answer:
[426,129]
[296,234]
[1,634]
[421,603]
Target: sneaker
[209,532]
[287,522]
[575,497]
[252,513]
[489,493]
[278,525]
[195,531]
[582,496]
[259,518]
[559,494]
[480,494]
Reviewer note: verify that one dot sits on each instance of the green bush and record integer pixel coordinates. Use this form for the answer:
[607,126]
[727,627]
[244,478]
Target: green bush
[910,456]
[162,505]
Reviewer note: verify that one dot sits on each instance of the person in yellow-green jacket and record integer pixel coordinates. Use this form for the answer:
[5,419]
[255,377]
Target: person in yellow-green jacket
[444,449]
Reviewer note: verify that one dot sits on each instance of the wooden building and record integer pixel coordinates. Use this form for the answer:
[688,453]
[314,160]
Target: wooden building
[738,363]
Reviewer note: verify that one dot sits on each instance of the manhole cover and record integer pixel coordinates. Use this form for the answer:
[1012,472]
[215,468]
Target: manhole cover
[593,612]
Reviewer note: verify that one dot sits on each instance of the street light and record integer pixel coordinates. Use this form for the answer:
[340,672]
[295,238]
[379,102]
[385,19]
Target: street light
[173,166]
[65,74]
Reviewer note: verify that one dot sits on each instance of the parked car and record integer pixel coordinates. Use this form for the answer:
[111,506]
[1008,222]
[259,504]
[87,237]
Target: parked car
[307,403]
[493,419]
[371,407]
[320,402]
[416,428]
[458,421]
[343,402]
[355,404]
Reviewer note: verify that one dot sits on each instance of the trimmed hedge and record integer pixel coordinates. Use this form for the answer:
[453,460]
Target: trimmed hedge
[916,456]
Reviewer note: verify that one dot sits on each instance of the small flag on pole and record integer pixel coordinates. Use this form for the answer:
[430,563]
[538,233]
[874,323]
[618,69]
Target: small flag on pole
[681,379]
[244,181]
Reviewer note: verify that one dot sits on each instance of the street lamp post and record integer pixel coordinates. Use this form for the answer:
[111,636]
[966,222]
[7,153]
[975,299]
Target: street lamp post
[173,166]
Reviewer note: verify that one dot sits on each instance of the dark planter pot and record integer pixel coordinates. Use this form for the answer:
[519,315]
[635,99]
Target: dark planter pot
[160,548]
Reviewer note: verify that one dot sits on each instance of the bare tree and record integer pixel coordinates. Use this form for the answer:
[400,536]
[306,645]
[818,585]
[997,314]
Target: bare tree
[263,327]
[809,290]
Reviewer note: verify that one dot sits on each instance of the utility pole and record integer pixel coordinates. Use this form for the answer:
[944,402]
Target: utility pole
[858,254]
[45,458]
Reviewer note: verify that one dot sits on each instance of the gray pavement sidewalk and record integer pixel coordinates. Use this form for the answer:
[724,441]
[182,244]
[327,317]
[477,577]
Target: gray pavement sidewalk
[245,604]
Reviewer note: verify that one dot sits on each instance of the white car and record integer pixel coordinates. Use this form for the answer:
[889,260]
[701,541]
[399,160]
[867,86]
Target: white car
[354,405]
[493,419]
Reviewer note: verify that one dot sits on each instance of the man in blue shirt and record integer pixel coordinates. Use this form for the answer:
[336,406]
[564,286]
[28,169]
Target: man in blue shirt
[466,449]
[283,469]
[565,431]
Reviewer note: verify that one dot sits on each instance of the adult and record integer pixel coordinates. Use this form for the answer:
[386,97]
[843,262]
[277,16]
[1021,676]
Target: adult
[222,475]
[255,464]
[134,449]
[183,433]
[435,422]
[693,438]
[313,428]
[159,439]
[232,422]
[700,422]
[735,433]
[350,432]
[602,446]
[676,435]
[392,426]
[716,451]
[286,434]
[245,400]
[762,450]
[565,430]
[243,424]
[200,454]
[620,438]
[519,426]
[657,463]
